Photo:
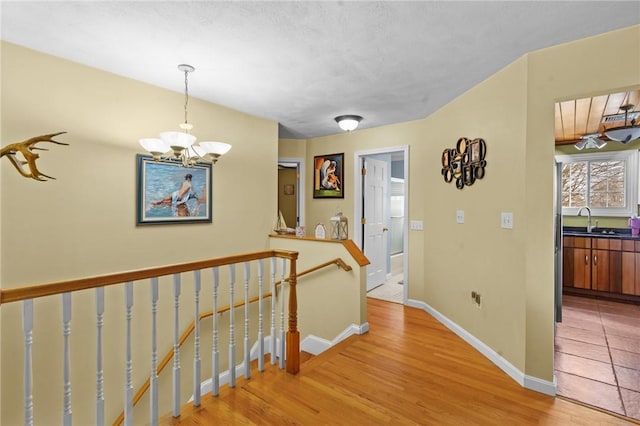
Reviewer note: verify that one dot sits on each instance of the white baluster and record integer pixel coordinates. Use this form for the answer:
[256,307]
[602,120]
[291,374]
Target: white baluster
[196,339]
[282,332]
[27,329]
[260,319]
[247,349]
[273,310]
[215,354]
[99,371]
[128,387]
[176,345]
[66,331]
[232,333]
[153,379]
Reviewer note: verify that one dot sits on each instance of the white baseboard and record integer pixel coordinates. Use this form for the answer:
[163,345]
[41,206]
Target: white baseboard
[316,345]
[529,382]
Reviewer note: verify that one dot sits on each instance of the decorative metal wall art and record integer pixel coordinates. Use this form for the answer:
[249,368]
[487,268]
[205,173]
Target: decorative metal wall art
[465,163]
[27,155]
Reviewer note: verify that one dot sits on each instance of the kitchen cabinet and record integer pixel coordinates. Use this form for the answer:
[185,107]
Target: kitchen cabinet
[576,255]
[593,265]
[630,267]
[606,264]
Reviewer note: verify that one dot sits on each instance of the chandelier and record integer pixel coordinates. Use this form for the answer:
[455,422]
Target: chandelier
[590,142]
[180,145]
[626,133]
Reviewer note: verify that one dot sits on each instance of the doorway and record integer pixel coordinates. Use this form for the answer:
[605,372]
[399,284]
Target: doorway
[380,205]
[597,342]
[291,191]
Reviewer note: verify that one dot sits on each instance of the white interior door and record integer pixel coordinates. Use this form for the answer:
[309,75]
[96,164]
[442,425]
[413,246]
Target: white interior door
[375,214]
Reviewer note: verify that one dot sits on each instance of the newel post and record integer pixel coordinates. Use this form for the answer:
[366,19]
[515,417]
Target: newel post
[293,335]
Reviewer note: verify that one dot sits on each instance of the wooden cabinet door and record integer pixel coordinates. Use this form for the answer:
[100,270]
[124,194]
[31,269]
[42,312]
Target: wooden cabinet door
[567,266]
[629,271]
[582,268]
[634,287]
[637,277]
[600,278]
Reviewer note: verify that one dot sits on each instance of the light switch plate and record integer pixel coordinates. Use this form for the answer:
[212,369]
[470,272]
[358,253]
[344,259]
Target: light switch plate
[460,216]
[416,225]
[506,220]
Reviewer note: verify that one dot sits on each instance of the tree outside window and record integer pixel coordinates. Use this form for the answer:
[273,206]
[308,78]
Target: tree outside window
[606,182]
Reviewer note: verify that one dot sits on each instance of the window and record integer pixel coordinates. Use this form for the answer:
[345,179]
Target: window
[605,182]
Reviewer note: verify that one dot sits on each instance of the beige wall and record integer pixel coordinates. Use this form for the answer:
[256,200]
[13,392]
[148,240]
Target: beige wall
[1,109]
[512,269]
[292,148]
[83,223]
[320,312]
[558,74]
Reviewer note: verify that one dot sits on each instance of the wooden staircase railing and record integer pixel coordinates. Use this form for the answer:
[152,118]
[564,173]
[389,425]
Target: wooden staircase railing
[290,351]
[66,288]
[189,330]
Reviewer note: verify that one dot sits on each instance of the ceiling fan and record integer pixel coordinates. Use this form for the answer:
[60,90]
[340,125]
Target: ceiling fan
[628,132]
[590,141]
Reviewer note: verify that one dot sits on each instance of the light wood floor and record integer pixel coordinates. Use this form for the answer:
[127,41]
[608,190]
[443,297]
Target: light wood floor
[409,369]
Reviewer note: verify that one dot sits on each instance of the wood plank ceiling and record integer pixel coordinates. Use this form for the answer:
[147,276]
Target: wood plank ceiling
[581,117]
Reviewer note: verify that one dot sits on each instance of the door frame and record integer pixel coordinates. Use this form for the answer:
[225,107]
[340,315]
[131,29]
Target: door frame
[558,255]
[358,195]
[300,182]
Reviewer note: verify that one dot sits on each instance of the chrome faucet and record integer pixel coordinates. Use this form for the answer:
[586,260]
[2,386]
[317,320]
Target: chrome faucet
[589,228]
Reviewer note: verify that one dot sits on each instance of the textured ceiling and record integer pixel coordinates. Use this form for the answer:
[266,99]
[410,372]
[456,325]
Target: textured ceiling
[303,63]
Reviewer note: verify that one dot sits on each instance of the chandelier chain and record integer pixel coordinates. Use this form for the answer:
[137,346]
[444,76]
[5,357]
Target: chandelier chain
[179,145]
[186,95]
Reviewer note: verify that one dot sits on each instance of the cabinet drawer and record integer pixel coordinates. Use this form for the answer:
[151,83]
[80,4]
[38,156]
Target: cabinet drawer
[631,245]
[615,244]
[606,244]
[578,242]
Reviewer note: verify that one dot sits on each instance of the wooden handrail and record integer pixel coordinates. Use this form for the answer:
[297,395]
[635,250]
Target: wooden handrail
[183,338]
[338,261]
[60,287]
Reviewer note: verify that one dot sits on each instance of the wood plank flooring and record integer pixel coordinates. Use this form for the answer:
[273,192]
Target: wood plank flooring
[409,369]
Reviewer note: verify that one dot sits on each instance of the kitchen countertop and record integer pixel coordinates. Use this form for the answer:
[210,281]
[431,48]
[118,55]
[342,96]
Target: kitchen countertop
[617,233]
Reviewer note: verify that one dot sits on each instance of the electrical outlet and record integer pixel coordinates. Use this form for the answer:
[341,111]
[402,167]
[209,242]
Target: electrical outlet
[460,216]
[476,298]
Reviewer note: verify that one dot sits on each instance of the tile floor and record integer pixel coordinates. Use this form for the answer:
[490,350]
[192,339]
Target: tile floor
[597,354]
[393,289]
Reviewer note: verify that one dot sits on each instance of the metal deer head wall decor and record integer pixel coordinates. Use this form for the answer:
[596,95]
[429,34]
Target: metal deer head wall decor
[26,149]
[465,163]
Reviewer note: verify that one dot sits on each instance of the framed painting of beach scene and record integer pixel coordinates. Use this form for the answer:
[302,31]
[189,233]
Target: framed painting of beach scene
[328,176]
[168,193]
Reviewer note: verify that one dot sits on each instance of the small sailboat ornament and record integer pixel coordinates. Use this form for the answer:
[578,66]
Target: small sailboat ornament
[281,226]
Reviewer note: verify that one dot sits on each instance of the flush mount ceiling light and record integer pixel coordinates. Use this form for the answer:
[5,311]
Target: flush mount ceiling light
[626,133]
[181,144]
[348,122]
[590,141]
